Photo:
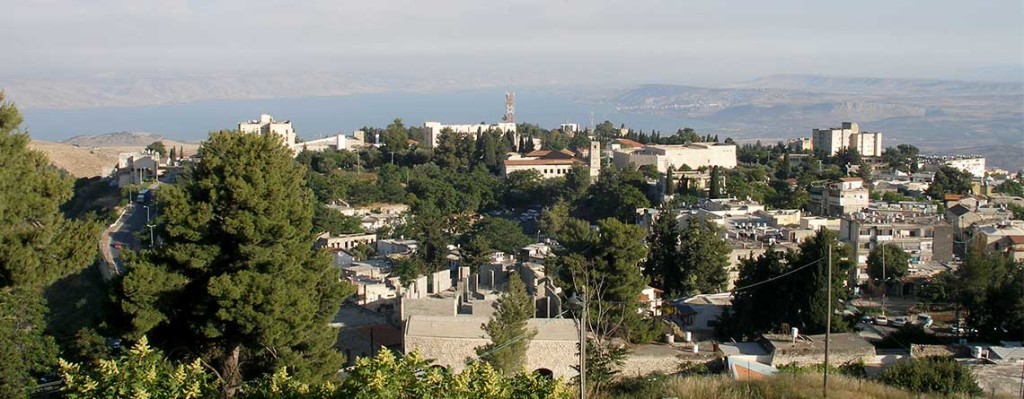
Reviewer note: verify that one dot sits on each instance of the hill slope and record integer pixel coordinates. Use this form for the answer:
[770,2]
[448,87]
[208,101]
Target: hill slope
[90,156]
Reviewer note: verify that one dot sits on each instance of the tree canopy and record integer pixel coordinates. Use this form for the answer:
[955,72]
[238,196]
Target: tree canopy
[507,328]
[236,277]
[38,246]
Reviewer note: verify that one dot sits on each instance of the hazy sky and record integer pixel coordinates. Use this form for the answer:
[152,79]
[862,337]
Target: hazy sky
[591,40]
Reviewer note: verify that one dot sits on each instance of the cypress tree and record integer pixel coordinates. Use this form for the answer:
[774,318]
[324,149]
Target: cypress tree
[715,186]
[507,328]
[702,259]
[236,277]
[670,182]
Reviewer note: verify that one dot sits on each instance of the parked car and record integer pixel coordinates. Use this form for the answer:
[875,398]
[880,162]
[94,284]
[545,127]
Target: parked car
[925,320]
[898,322]
[881,320]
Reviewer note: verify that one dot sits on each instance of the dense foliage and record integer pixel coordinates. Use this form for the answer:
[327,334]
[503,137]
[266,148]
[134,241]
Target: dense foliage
[507,328]
[236,279]
[800,299]
[942,375]
[38,246]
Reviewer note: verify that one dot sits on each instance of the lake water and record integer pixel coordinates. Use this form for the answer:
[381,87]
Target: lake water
[318,116]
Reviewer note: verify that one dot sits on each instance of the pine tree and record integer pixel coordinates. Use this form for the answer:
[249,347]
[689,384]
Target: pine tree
[510,336]
[236,277]
[38,246]
[813,305]
[661,265]
[173,155]
[761,308]
[702,259]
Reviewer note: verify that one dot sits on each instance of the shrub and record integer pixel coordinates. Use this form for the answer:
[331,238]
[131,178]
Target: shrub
[932,374]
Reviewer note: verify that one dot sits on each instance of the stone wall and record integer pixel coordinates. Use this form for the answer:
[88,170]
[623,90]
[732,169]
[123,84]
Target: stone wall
[557,356]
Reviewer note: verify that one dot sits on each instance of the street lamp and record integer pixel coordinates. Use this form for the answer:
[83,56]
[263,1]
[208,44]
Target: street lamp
[576,303]
[151,240]
[147,213]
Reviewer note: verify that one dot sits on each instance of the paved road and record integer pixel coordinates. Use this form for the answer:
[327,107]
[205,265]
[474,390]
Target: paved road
[123,234]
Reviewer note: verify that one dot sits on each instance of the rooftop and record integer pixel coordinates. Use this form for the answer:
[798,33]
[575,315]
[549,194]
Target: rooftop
[468,327]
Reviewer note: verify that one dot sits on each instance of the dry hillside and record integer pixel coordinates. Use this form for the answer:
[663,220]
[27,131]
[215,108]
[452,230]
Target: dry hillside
[83,161]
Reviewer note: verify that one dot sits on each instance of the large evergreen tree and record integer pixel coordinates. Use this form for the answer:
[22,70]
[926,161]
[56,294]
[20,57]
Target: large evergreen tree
[38,246]
[761,307]
[897,262]
[604,267]
[813,305]
[702,259]
[236,278]
[662,258]
[507,328]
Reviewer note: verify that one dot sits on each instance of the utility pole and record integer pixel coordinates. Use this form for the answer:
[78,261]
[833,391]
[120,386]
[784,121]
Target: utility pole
[583,351]
[885,285]
[828,320]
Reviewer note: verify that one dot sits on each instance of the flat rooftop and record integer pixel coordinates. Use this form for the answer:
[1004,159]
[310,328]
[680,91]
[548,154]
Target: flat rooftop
[469,327]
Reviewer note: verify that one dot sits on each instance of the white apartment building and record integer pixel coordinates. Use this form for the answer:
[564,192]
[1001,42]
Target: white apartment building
[831,140]
[569,127]
[970,164]
[267,125]
[695,155]
[433,130]
[839,198]
[924,238]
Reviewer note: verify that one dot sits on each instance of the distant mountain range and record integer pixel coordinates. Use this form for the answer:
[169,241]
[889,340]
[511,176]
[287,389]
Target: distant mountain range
[937,116]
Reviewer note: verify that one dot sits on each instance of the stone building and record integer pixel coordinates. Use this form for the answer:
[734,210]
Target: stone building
[434,129]
[806,350]
[839,198]
[452,341]
[694,155]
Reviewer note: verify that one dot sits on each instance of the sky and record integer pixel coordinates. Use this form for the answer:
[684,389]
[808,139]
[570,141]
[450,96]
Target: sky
[568,41]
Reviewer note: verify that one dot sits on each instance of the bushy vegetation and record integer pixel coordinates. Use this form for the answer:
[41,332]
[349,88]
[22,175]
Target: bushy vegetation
[782,386]
[937,374]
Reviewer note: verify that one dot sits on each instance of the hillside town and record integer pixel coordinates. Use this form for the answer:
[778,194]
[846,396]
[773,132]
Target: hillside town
[626,253]
[697,251]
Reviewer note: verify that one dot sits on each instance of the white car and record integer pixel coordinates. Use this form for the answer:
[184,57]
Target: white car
[898,322]
[880,320]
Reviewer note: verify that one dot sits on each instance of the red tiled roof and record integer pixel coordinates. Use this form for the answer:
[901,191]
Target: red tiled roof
[952,197]
[529,162]
[629,143]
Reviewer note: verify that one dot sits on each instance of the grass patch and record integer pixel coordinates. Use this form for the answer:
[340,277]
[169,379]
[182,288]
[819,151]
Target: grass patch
[786,385]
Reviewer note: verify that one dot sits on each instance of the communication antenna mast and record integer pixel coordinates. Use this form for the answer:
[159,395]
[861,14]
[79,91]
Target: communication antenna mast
[510,107]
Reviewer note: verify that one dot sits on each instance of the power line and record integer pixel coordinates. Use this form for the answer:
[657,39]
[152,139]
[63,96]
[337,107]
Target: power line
[778,277]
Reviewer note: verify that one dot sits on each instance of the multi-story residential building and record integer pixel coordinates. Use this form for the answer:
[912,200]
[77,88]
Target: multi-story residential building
[695,155]
[135,167]
[831,140]
[839,198]
[555,163]
[800,144]
[925,238]
[972,164]
[1005,237]
[965,218]
[569,127]
[434,129]
[780,217]
[266,124]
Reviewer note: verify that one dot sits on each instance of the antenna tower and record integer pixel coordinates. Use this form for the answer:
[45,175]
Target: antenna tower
[510,107]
